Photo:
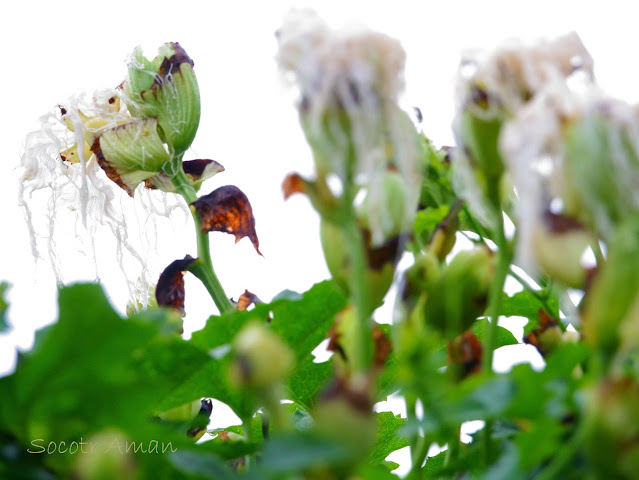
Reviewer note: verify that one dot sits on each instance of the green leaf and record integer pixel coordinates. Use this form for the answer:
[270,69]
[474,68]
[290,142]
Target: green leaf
[4,326]
[307,381]
[427,220]
[504,336]
[387,440]
[298,453]
[302,321]
[199,465]
[525,304]
[94,372]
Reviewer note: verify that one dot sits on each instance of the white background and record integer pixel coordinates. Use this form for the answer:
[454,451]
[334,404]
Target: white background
[53,50]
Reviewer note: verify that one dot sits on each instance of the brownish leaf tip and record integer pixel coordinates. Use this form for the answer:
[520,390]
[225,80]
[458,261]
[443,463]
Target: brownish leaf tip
[293,183]
[227,209]
[359,399]
[388,252]
[196,168]
[110,171]
[559,223]
[246,300]
[465,353]
[383,347]
[169,291]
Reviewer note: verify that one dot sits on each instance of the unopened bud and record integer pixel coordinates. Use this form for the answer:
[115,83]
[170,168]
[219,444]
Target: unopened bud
[165,88]
[262,358]
[461,293]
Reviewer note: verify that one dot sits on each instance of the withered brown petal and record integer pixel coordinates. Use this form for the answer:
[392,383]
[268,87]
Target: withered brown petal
[246,299]
[559,223]
[196,167]
[383,347]
[227,209]
[388,252]
[110,171]
[169,291]
[293,183]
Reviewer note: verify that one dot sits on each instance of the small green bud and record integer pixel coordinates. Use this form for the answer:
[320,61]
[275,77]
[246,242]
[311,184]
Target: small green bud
[183,413]
[165,88]
[479,128]
[262,358]
[613,293]
[381,269]
[559,244]
[602,168]
[460,294]
[106,457]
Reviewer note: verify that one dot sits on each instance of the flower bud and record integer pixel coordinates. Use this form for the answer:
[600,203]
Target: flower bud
[165,88]
[183,413]
[107,457]
[349,81]
[613,293]
[602,170]
[262,358]
[460,294]
[559,244]
[381,261]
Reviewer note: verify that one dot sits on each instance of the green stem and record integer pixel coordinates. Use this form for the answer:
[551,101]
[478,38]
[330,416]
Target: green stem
[203,267]
[527,286]
[248,434]
[418,455]
[563,457]
[360,292]
[504,257]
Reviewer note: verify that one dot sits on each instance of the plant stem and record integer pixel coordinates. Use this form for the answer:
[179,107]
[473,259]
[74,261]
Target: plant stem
[360,293]
[418,455]
[562,457]
[248,434]
[527,286]
[504,257]
[203,267]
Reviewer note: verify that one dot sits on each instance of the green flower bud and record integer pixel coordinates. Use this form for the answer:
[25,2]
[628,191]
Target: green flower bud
[183,413]
[613,429]
[382,261]
[131,153]
[262,359]
[419,279]
[613,293]
[559,243]
[107,457]
[602,166]
[480,124]
[460,294]
[165,88]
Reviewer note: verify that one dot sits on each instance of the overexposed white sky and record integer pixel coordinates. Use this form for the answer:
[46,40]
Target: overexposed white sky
[249,124]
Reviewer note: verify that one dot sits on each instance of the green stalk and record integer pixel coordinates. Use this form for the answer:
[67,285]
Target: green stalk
[504,257]
[202,268]
[528,287]
[360,293]
[248,434]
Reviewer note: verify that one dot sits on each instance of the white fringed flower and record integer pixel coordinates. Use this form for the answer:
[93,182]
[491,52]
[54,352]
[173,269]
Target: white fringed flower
[349,81]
